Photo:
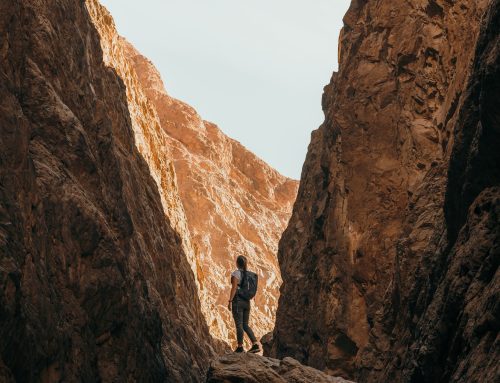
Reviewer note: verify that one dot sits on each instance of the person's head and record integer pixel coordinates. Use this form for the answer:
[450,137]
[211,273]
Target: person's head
[241,262]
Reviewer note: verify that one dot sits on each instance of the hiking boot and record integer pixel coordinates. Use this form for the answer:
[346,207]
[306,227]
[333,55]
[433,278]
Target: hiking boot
[239,349]
[255,348]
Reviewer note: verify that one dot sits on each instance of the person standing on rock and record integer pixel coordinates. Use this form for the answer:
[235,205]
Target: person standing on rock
[243,289]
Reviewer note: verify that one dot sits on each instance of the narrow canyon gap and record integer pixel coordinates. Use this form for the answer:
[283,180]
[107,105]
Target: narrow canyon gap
[121,210]
[231,202]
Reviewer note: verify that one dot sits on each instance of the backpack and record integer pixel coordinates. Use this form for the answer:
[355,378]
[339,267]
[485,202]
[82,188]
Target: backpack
[248,286]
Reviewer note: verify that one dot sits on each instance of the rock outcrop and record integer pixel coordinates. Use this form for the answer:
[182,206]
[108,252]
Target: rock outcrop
[235,204]
[95,283]
[400,184]
[251,368]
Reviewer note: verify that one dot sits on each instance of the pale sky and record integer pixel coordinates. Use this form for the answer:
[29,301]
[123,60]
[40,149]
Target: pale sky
[256,68]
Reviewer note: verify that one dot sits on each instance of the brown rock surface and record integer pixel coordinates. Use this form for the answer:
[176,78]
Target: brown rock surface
[442,312]
[251,368]
[235,204]
[408,120]
[151,140]
[95,284]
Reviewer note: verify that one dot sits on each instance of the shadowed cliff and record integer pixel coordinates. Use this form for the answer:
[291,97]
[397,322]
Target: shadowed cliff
[390,259]
[94,281]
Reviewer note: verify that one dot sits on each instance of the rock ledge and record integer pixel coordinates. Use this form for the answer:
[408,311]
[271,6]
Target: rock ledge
[251,368]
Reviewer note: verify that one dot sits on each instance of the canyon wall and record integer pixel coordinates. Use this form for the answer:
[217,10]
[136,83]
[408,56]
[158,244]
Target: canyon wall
[441,316]
[235,204]
[95,278]
[223,199]
[390,257]
[151,141]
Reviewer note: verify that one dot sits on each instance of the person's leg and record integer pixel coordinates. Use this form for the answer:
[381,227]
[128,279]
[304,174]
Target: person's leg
[238,321]
[246,327]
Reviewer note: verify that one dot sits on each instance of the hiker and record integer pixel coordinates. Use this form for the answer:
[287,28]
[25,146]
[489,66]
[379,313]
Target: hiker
[243,289]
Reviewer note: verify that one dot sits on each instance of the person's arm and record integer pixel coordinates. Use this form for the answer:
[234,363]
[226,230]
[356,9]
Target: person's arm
[234,286]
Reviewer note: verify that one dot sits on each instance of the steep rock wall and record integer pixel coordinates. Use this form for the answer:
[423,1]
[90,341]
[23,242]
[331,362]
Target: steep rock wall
[151,140]
[95,284]
[441,316]
[390,127]
[235,204]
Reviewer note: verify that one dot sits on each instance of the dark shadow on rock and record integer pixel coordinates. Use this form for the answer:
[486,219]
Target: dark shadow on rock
[94,284]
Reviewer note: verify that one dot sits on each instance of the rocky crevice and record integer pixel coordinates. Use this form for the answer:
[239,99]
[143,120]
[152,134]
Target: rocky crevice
[235,204]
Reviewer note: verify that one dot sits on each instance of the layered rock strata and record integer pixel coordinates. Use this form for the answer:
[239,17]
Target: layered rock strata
[95,283]
[251,368]
[388,193]
[235,204]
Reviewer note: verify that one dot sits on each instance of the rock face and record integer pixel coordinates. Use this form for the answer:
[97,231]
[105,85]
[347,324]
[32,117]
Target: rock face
[251,368]
[399,194]
[235,204]
[441,317]
[95,282]
[151,140]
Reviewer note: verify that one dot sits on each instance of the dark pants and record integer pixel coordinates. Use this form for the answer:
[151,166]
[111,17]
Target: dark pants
[241,313]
